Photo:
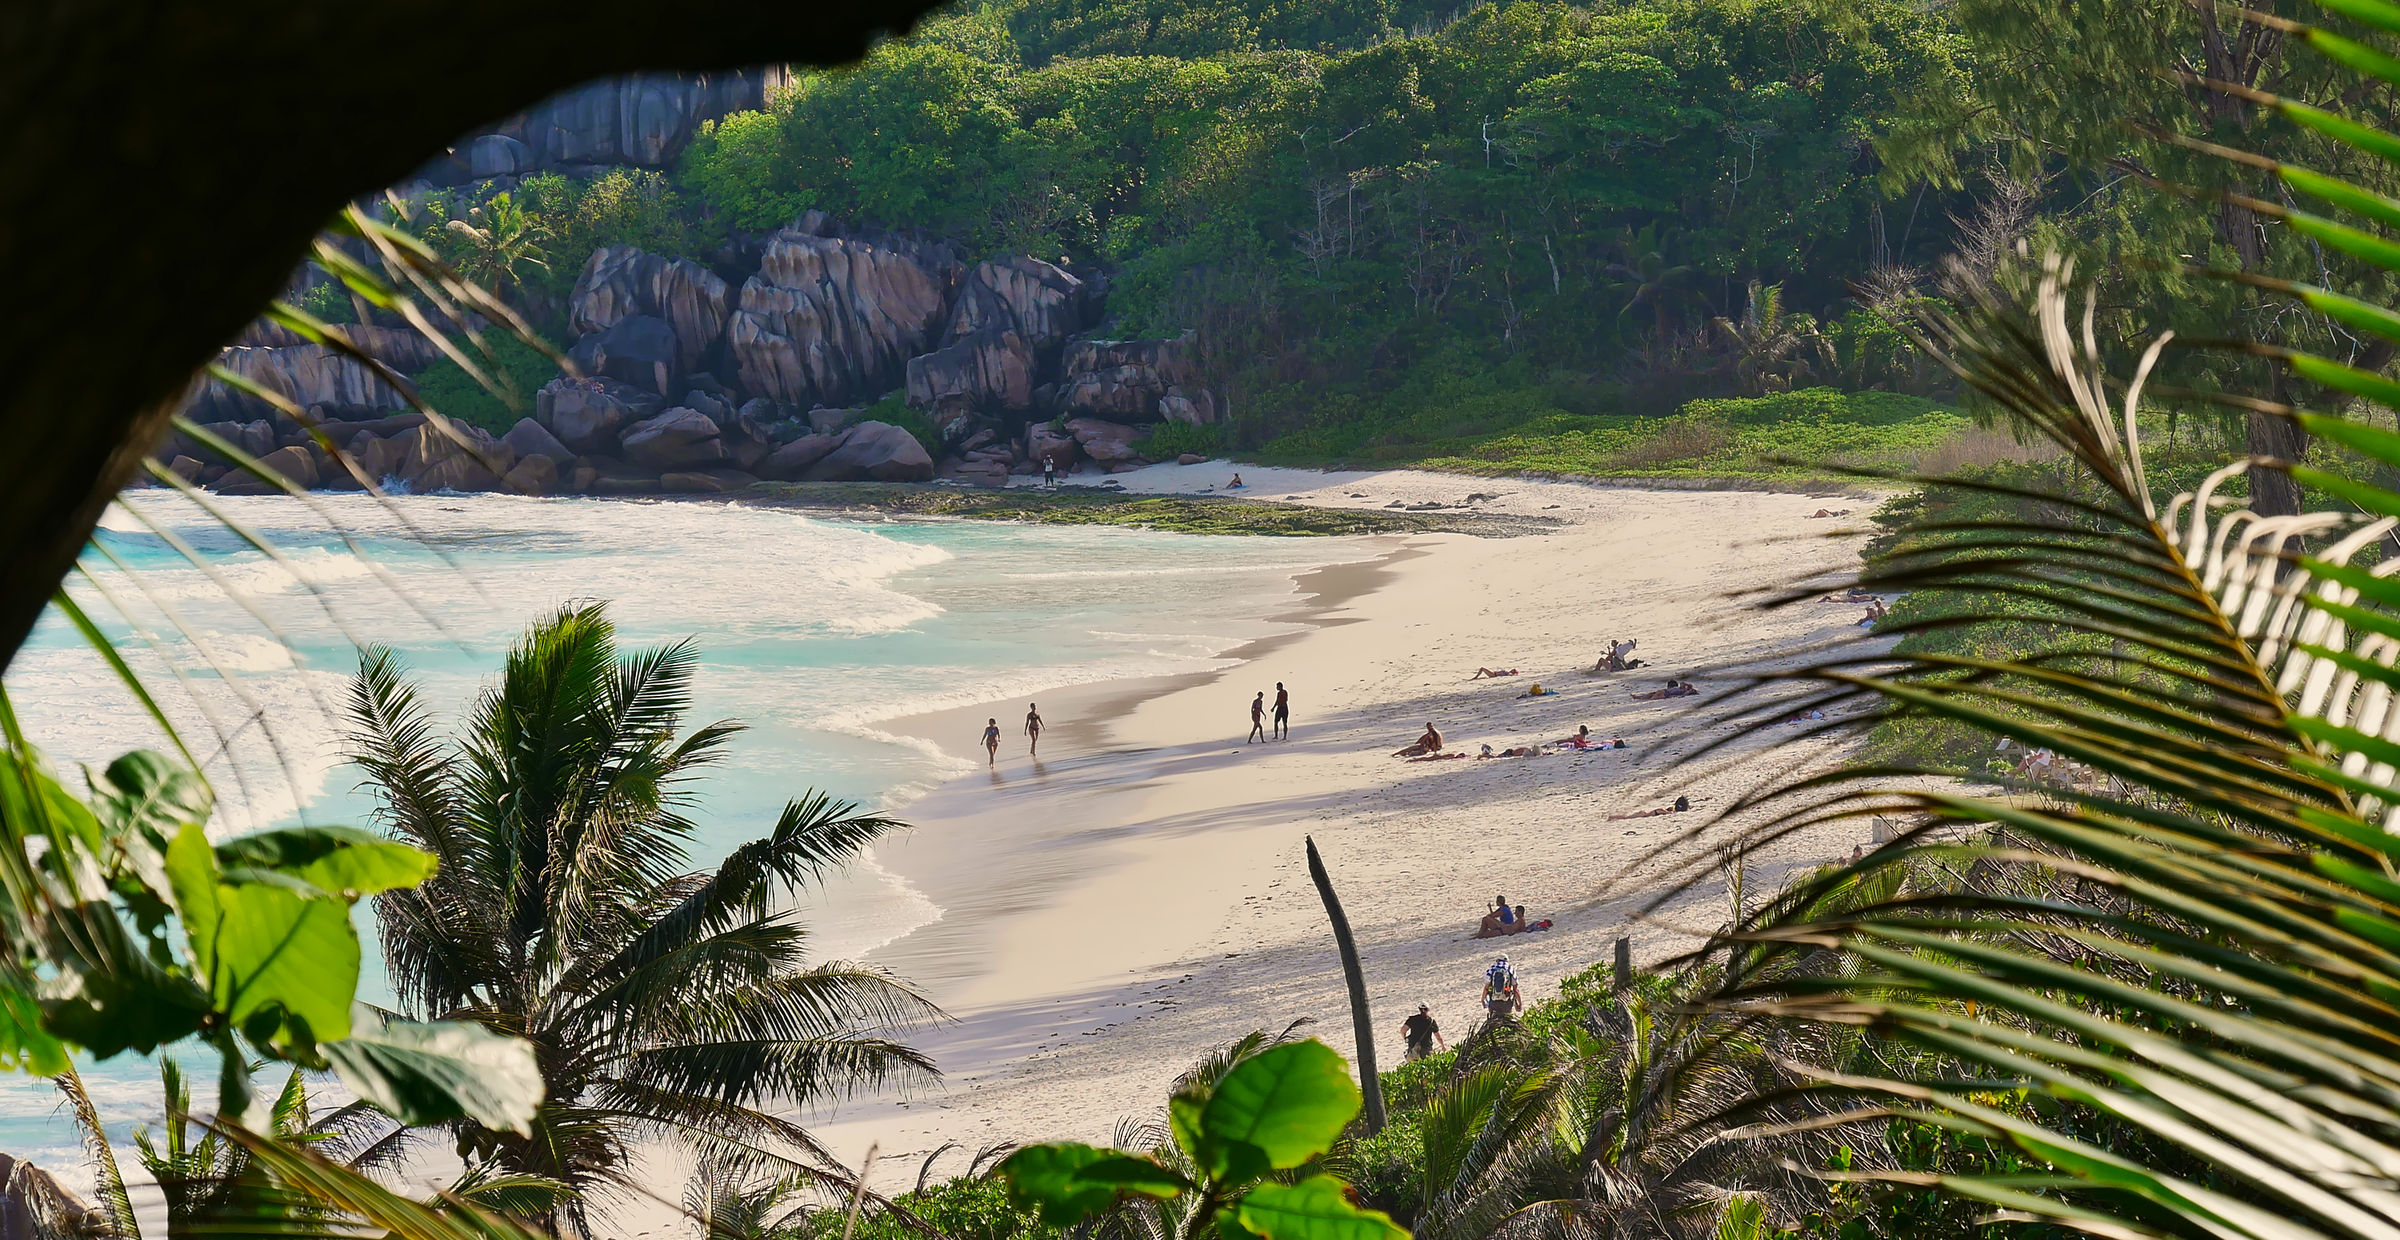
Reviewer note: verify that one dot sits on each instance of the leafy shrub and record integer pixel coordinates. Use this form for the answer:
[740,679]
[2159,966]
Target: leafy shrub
[519,368]
[1169,440]
[329,302]
[741,172]
[960,1209]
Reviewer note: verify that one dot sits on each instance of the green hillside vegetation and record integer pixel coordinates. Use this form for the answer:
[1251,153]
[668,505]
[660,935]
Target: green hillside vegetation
[1380,216]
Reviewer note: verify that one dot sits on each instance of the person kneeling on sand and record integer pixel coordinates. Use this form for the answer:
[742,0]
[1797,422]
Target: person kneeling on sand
[1491,673]
[1430,743]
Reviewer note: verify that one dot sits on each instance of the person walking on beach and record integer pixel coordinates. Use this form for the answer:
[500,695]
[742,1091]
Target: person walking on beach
[1033,727]
[1500,998]
[1283,713]
[991,742]
[1422,1031]
[1258,717]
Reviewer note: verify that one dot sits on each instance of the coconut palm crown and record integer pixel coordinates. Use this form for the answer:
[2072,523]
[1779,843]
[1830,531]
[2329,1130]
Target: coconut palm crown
[664,1002]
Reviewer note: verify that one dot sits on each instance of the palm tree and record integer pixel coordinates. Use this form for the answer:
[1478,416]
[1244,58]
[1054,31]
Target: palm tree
[2184,955]
[1646,278]
[495,240]
[663,1002]
[1773,350]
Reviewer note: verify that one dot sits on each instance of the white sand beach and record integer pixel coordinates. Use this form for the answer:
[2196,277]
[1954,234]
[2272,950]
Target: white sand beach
[1155,899]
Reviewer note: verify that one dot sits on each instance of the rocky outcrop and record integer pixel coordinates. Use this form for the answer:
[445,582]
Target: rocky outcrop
[1196,407]
[1121,379]
[620,282]
[645,119]
[874,451]
[529,438]
[404,349]
[990,370]
[790,462]
[433,461]
[1041,302]
[311,376]
[828,319]
[677,439]
[586,414]
[1109,443]
[639,349]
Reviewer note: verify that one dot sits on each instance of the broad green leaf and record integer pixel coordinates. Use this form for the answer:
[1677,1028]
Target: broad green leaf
[1317,1208]
[342,861]
[149,792]
[24,1045]
[277,956]
[422,1073]
[1069,1182]
[112,996]
[1290,1103]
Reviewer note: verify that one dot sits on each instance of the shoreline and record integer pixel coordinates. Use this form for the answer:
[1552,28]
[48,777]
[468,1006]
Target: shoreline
[1164,908]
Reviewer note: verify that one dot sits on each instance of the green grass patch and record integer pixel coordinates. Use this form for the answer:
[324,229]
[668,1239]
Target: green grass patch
[519,368]
[1795,436]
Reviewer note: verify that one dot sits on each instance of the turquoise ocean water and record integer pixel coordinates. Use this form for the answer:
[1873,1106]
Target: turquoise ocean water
[811,631]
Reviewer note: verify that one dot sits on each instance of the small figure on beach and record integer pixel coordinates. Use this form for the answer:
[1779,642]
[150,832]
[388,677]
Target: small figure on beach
[1258,718]
[1619,657]
[1527,925]
[1674,689]
[1536,690]
[1858,853]
[1283,713]
[1049,471]
[1033,727]
[1500,997]
[1421,1031]
[1875,613]
[991,742]
[1492,673]
[1497,920]
[1430,743]
[1236,484]
[1855,594]
[1513,751]
[1681,804]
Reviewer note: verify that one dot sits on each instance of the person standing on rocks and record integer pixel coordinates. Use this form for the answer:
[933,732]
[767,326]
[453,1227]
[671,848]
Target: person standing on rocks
[1258,717]
[1033,728]
[1283,713]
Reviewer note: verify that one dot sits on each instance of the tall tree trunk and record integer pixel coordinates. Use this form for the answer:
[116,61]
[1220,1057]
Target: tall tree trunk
[1362,1024]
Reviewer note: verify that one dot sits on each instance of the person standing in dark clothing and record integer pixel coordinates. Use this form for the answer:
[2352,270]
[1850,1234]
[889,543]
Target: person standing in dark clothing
[1283,713]
[1422,1031]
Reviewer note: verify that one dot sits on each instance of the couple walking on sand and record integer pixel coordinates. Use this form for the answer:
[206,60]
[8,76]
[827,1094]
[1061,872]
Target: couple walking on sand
[1033,733]
[1283,716]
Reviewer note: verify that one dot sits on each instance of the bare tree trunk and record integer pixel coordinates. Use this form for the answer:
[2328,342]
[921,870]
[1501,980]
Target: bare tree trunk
[1362,1024]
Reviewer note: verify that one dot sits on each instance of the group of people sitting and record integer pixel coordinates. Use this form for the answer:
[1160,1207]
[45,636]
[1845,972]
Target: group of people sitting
[1674,689]
[1504,918]
[1618,659]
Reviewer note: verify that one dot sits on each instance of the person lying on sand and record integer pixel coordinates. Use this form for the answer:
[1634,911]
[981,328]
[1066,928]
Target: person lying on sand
[1674,689]
[1440,757]
[1513,751]
[1681,804]
[1829,512]
[1429,743]
[1492,673]
[1807,716]
[1852,595]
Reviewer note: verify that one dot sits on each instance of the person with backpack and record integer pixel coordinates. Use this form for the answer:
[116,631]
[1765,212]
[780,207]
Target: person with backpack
[1500,997]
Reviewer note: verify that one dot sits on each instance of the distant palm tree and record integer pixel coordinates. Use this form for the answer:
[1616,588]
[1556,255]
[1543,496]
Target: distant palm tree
[1774,349]
[662,1002]
[495,240]
[1646,278]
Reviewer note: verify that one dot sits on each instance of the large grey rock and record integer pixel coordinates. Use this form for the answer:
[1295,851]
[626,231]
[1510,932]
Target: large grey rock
[1121,380]
[644,119]
[639,349]
[497,155]
[433,461]
[404,349]
[991,370]
[619,282]
[306,375]
[297,465]
[677,439]
[874,451]
[829,319]
[533,475]
[378,458]
[1189,406]
[586,414]
[531,438]
[1041,302]
[791,461]
[704,482]
[1058,447]
[1109,443]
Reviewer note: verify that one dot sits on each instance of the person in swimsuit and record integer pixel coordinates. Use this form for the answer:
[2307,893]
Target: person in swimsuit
[1283,713]
[1258,717]
[1033,727]
[991,742]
